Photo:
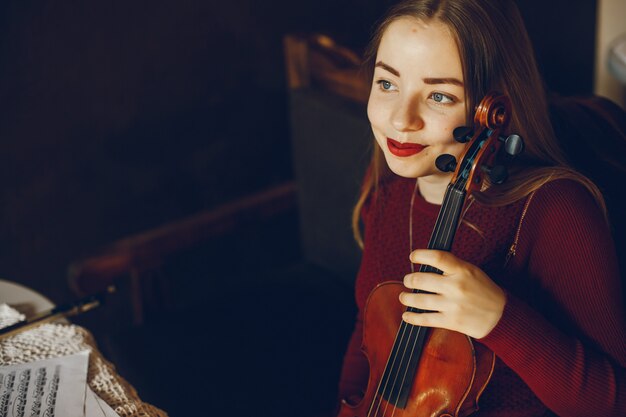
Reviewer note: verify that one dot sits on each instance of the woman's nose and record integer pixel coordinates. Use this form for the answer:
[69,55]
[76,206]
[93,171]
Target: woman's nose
[406,116]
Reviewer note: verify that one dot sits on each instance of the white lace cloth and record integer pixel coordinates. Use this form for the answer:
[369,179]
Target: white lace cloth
[51,340]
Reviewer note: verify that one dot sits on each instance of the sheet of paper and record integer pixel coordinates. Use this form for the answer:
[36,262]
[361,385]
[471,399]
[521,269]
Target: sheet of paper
[96,407]
[54,387]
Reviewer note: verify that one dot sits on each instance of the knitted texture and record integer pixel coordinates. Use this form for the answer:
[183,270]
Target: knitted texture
[561,343]
[53,340]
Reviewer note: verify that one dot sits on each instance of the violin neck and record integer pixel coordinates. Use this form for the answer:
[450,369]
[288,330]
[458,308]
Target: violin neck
[447,222]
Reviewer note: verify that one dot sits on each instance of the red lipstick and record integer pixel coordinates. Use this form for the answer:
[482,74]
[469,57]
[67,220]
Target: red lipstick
[403,149]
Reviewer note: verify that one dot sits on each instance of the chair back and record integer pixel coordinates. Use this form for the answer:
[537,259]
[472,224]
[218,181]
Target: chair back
[331,140]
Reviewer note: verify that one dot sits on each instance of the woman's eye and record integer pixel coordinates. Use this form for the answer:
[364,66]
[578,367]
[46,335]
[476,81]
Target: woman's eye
[441,98]
[386,85]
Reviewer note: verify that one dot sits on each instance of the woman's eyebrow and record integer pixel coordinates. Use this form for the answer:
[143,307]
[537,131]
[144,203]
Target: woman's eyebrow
[454,81]
[430,80]
[384,66]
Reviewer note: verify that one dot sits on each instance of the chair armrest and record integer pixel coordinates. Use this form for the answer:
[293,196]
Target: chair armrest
[147,250]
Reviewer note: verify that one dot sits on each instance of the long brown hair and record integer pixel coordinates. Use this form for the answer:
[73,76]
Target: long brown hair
[496,54]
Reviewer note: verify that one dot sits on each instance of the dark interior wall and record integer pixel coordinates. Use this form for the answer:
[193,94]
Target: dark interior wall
[563,34]
[118,116]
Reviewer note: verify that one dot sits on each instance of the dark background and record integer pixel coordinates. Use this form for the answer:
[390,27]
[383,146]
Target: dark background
[119,116]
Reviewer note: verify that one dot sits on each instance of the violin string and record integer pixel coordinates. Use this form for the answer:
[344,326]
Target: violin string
[392,359]
[436,242]
[446,210]
[394,367]
[404,324]
[412,328]
[402,330]
[406,344]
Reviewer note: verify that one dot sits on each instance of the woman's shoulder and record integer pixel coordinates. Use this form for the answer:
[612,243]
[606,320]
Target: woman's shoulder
[564,196]
[565,207]
[565,227]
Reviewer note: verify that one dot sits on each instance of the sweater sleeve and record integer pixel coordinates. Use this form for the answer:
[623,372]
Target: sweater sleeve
[570,348]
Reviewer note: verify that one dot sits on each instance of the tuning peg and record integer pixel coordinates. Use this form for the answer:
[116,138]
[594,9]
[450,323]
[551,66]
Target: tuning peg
[498,174]
[446,162]
[462,134]
[513,145]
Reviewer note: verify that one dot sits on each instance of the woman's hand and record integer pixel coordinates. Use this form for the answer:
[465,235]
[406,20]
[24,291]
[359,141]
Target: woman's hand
[465,299]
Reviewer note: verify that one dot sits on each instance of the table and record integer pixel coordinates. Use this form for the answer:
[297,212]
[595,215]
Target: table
[59,339]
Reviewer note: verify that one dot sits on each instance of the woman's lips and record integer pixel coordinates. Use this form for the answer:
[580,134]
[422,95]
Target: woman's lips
[403,149]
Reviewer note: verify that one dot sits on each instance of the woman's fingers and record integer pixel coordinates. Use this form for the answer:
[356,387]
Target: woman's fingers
[423,301]
[442,260]
[434,319]
[425,281]
[464,299]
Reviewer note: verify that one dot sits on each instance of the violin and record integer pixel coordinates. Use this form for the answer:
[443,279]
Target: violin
[427,372]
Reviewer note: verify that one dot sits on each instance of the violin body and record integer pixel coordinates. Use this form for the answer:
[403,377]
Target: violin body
[446,353]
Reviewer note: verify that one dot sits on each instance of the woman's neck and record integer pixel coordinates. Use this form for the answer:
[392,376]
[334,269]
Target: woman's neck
[433,187]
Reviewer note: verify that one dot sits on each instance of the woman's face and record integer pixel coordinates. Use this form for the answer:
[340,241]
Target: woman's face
[417,96]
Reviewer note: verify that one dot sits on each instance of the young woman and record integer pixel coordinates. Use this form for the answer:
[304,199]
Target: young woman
[532,274]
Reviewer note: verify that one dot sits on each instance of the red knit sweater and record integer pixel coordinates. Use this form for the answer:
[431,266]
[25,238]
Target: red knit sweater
[561,342]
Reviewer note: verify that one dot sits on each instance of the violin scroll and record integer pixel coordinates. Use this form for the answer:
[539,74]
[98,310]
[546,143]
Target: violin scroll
[493,112]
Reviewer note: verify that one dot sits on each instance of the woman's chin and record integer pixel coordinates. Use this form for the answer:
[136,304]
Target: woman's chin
[407,167]
[402,170]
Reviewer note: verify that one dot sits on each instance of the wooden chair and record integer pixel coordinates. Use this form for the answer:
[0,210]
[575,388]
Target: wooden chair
[327,93]
[314,65]
[139,256]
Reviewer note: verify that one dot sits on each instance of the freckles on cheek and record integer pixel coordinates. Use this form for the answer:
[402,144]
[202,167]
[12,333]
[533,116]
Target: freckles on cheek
[449,128]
